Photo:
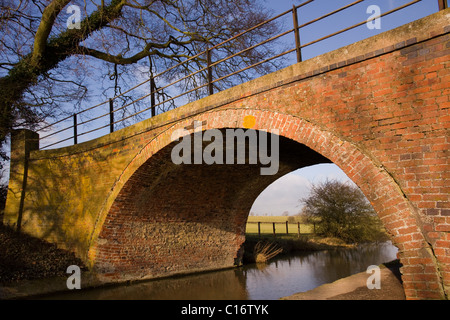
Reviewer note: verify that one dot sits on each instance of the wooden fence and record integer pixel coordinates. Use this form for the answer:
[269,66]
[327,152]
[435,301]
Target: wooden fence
[280,228]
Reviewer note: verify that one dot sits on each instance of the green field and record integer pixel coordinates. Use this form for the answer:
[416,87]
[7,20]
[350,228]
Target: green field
[266,225]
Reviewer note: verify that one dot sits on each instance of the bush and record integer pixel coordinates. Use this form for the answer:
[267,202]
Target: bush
[342,211]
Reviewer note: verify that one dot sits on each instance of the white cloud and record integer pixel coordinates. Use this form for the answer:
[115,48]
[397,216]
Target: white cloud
[282,195]
[285,193]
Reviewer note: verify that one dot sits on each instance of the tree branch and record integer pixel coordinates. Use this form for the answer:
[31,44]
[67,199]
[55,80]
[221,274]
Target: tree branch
[45,27]
[119,59]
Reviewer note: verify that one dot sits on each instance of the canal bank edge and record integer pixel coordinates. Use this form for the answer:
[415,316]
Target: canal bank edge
[354,287]
[29,289]
[349,288]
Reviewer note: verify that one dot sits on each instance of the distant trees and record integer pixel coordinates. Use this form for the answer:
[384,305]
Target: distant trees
[341,210]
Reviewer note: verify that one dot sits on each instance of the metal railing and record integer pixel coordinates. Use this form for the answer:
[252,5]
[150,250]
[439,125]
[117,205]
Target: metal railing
[206,71]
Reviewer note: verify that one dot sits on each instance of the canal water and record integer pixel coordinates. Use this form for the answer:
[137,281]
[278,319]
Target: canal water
[279,278]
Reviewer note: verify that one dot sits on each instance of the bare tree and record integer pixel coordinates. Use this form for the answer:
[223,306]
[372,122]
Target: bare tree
[44,65]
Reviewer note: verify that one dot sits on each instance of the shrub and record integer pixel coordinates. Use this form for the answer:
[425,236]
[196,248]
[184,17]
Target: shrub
[341,210]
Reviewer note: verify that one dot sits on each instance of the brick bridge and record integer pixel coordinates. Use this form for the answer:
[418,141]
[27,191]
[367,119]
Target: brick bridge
[379,109]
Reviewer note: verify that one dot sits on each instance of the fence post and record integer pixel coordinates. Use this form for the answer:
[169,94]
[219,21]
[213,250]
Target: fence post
[442,4]
[287,230]
[297,34]
[75,133]
[273,226]
[259,229]
[208,61]
[298,228]
[111,115]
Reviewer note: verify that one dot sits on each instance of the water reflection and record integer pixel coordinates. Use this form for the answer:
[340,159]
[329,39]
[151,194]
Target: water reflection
[220,285]
[281,277]
[306,271]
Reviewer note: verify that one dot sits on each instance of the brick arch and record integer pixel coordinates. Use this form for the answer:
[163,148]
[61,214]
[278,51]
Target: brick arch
[397,214]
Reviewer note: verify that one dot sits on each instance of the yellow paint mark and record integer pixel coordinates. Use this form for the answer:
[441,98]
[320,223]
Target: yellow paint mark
[249,121]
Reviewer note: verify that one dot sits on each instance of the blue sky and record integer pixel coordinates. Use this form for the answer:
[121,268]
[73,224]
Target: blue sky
[346,18]
[284,194]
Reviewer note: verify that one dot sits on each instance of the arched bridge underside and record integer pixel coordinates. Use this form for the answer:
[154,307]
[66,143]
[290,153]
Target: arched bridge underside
[378,109]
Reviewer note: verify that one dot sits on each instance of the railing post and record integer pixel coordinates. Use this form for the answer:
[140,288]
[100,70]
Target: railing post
[152,88]
[259,229]
[297,34]
[208,61]
[111,115]
[442,4]
[287,230]
[153,95]
[273,226]
[75,131]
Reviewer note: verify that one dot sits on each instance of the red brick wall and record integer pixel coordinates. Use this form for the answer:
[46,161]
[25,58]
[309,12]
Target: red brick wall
[383,118]
[170,219]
